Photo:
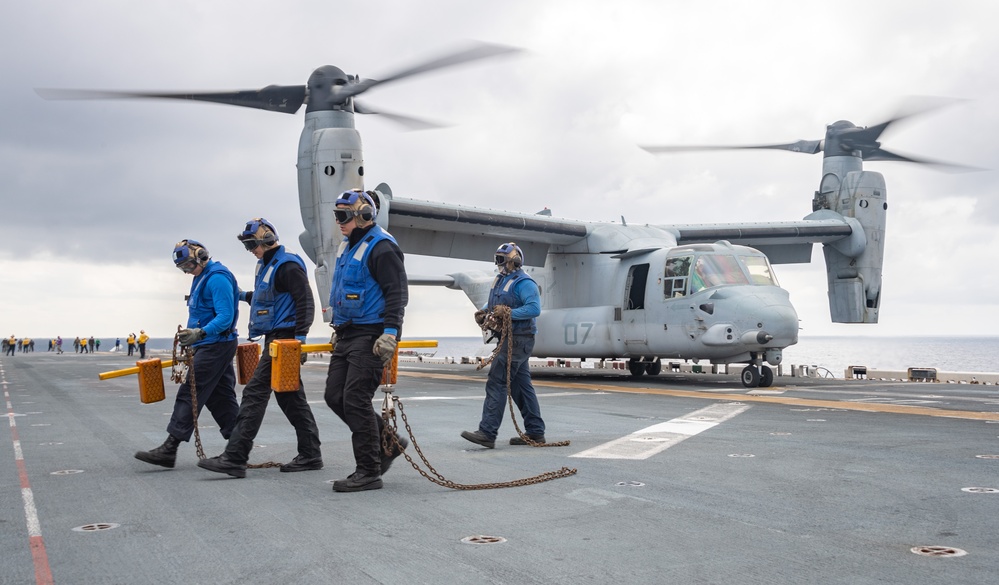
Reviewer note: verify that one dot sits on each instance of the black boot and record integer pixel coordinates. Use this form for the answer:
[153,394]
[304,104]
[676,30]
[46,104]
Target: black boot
[165,455]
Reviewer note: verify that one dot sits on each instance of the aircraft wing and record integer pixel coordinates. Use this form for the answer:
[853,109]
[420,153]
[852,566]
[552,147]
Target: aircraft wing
[784,242]
[447,230]
[457,231]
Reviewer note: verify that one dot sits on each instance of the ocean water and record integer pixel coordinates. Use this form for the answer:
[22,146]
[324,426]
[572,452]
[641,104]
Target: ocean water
[946,354]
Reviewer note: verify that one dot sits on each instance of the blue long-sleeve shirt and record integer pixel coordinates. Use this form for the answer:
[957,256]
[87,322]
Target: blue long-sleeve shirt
[530,297]
[219,290]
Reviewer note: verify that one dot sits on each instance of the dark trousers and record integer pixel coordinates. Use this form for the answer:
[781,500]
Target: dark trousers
[142,351]
[354,374]
[521,389]
[215,381]
[256,395]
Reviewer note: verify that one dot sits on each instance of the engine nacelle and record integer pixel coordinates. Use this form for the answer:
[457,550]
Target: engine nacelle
[329,163]
[854,265]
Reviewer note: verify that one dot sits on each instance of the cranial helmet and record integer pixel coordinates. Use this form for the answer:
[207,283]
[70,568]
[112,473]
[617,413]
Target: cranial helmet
[189,254]
[509,257]
[258,231]
[359,204]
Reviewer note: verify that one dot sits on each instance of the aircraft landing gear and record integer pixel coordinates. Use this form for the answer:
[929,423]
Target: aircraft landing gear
[766,377]
[757,376]
[750,377]
[636,367]
[653,368]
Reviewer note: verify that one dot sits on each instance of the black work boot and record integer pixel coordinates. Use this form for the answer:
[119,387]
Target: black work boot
[479,438]
[220,464]
[358,482]
[165,455]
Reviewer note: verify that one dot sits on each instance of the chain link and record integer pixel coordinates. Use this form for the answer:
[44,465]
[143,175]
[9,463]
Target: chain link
[390,444]
[500,320]
[183,366]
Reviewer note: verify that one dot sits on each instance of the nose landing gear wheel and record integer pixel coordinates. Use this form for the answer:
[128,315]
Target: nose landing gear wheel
[766,377]
[751,377]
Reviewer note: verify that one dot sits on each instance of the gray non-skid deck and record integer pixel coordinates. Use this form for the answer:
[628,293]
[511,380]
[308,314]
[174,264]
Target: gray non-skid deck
[822,481]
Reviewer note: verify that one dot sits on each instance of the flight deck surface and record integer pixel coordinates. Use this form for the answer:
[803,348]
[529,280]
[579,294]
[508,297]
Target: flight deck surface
[680,478]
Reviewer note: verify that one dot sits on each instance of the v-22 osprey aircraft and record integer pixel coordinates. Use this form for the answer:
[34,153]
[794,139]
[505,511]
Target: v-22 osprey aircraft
[609,290]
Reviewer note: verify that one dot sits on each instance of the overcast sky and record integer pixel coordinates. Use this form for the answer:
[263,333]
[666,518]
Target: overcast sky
[95,194]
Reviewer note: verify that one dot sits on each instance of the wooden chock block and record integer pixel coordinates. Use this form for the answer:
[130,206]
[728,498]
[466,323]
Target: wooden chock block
[247,356]
[150,381]
[285,364]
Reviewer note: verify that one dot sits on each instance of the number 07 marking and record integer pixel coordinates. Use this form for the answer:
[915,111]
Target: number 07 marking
[572,333]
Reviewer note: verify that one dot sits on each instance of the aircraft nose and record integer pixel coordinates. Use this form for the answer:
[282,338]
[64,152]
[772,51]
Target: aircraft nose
[777,326]
[757,319]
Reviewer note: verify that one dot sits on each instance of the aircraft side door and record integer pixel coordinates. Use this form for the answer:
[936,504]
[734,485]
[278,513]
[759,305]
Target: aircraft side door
[633,311]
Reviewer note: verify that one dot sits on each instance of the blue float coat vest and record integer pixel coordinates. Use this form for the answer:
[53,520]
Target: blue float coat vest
[201,312]
[355,295]
[504,293]
[271,310]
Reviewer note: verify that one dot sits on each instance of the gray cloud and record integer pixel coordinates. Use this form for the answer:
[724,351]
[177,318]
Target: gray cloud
[119,182]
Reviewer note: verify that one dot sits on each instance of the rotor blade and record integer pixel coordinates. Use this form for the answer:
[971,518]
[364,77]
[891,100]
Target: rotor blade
[273,98]
[881,154]
[913,106]
[805,146]
[473,53]
[409,122]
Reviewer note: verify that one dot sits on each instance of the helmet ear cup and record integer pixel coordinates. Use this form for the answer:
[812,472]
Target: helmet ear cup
[202,256]
[268,239]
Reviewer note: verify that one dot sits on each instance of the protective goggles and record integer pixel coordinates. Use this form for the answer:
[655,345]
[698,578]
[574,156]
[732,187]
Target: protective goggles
[500,259]
[343,216]
[250,244]
[187,265]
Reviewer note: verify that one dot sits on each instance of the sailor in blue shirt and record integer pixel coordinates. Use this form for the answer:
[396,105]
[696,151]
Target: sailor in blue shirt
[211,331]
[515,289]
[281,307]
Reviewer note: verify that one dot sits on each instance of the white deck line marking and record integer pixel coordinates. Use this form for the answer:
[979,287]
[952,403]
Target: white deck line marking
[657,438]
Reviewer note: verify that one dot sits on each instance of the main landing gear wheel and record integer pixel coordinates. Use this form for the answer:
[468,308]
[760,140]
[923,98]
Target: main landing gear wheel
[636,367]
[653,368]
[766,377]
[751,377]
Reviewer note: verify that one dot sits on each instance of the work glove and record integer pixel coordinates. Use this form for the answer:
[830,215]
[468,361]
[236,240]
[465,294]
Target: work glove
[304,357]
[385,347]
[190,336]
[480,317]
[333,340]
[245,296]
[494,323]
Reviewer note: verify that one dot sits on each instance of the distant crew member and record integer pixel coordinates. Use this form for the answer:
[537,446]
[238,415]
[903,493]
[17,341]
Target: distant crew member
[117,344]
[281,307]
[515,289]
[11,345]
[131,343]
[211,332]
[368,298]
[143,338]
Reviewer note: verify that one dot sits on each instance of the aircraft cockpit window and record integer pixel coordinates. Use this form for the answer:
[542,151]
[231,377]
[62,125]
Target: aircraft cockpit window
[716,270]
[675,281]
[760,271]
